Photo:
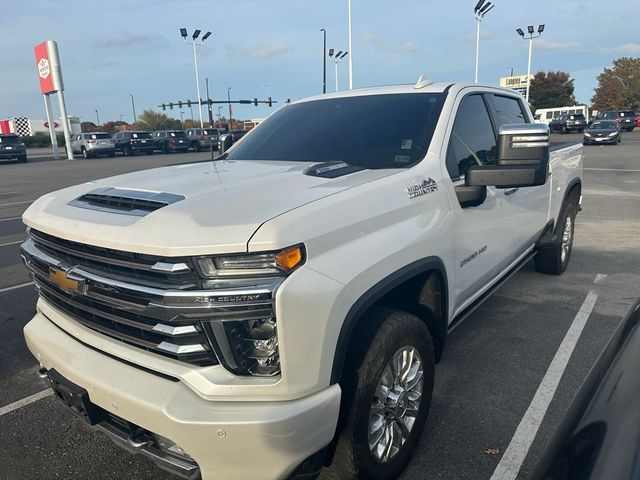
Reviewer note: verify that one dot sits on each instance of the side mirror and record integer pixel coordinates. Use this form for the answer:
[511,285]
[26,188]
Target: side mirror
[523,159]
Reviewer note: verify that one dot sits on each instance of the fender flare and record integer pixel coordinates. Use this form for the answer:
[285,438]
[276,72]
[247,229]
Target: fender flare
[375,293]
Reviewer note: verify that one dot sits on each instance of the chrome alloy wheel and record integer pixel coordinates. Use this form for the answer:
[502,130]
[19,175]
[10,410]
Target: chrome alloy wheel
[566,239]
[395,404]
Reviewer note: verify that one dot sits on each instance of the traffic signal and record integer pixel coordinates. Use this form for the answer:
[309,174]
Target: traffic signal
[163,107]
[170,106]
[255,102]
[270,101]
[180,104]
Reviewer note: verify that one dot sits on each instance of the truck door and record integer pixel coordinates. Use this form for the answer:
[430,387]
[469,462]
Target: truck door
[531,204]
[484,237]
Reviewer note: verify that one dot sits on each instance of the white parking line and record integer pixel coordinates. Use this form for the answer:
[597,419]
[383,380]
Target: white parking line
[15,287]
[8,193]
[525,434]
[611,169]
[15,203]
[600,278]
[11,243]
[25,401]
[10,218]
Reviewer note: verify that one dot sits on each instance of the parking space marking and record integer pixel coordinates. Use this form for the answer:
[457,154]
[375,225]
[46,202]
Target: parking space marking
[611,169]
[525,434]
[9,219]
[25,401]
[11,243]
[8,193]
[600,278]
[15,287]
[15,203]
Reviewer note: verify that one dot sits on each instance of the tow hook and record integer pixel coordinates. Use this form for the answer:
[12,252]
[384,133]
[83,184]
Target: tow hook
[139,438]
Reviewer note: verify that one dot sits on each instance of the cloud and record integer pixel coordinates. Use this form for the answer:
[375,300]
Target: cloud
[128,40]
[260,52]
[406,47]
[543,45]
[627,47]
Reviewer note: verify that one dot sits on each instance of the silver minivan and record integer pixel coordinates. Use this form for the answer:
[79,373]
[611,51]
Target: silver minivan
[93,144]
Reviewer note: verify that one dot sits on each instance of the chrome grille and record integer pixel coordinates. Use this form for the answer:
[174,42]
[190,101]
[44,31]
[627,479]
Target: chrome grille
[111,293]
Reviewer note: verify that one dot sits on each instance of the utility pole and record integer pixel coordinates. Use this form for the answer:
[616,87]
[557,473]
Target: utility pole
[209,106]
[196,34]
[531,36]
[480,10]
[350,50]
[133,106]
[229,103]
[324,60]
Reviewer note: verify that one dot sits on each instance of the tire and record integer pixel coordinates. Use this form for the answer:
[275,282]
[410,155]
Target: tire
[554,259]
[22,159]
[630,129]
[149,152]
[563,130]
[164,148]
[85,153]
[390,334]
[195,146]
[112,154]
[127,151]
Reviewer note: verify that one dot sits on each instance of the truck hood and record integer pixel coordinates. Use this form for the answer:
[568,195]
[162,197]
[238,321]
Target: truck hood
[224,203]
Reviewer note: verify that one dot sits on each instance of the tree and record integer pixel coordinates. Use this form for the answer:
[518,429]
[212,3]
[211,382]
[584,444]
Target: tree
[88,127]
[619,87]
[112,127]
[150,120]
[551,89]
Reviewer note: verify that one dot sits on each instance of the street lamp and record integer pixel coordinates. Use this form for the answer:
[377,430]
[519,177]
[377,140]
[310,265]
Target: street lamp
[230,112]
[350,49]
[479,11]
[337,58]
[324,60]
[97,116]
[133,106]
[182,118]
[194,44]
[531,36]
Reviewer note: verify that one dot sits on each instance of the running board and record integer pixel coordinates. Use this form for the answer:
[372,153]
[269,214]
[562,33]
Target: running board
[482,298]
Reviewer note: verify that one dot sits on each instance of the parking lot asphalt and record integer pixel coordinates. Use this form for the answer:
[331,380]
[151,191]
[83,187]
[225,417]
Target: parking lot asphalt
[492,367]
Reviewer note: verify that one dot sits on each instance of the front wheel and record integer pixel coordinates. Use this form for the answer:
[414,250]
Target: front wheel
[85,153]
[554,259]
[387,388]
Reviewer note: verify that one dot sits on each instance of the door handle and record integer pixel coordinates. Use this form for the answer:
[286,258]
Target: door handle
[510,191]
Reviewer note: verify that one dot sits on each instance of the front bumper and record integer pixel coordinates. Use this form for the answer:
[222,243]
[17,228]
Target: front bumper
[230,439]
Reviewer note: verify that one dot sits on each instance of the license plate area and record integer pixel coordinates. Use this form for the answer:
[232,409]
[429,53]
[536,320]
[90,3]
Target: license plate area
[75,398]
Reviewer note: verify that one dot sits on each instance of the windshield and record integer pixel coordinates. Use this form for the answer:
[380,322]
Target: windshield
[372,131]
[609,125]
[9,140]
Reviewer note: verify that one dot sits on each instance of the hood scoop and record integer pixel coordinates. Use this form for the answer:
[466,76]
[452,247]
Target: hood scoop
[331,169]
[127,202]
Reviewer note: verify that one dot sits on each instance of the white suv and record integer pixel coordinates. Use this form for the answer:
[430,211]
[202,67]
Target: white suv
[93,144]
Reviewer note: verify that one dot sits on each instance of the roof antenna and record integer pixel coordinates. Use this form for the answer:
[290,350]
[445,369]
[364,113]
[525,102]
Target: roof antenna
[422,82]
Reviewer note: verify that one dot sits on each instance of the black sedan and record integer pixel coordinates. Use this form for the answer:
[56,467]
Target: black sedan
[602,131]
[599,437]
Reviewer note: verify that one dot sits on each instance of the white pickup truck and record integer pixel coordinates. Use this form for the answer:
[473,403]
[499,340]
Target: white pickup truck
[283,307]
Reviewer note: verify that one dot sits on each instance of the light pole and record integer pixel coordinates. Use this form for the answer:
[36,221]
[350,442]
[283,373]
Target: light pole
[194,44]
[230,113]
[350,50]
[97,116]
[209,105]
[531,36]
[133,107]
[121,115]
[480,10]
[337,58]
[182,118]
[324,60]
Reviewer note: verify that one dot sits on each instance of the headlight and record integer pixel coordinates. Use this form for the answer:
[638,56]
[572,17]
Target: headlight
[613,134]
[252,264]
[587,134]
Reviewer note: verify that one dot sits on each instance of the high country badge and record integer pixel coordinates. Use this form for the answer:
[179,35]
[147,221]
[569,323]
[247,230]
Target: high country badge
[427,186]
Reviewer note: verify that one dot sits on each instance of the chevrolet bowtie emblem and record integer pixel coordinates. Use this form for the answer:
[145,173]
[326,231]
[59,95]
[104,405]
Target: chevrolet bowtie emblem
[61,279]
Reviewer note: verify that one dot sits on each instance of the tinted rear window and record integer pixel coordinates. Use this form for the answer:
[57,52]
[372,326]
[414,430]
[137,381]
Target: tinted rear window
[628,113]
[9,140]
[372,131]
[577,117]
[97,136]
[177,134]
[141,135]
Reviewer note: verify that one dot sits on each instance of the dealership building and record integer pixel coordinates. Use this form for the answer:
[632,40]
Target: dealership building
[26,127]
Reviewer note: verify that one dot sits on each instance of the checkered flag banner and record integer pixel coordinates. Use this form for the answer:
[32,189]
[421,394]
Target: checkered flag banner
[22,126]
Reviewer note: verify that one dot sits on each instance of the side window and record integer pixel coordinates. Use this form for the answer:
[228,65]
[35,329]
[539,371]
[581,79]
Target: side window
[473,140]
[508,110]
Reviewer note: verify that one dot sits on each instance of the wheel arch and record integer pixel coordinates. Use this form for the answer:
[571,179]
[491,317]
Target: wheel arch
[422,277]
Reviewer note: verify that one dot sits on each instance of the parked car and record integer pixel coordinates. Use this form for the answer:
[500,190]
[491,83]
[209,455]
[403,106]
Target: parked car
[170,141]
[597,439]
[12,148]
[625,118]
[202,139]
[638,120]
[130,143]
[93,144]
[566,123]
[258,314]
[226,140]
[602,131]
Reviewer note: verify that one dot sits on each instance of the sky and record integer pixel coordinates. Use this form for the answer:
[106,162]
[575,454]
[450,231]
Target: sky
[109,49]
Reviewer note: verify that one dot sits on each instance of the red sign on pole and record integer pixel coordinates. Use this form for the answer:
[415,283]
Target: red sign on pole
[45,68]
